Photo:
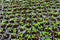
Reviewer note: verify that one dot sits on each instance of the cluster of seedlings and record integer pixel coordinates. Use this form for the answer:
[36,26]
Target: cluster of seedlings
[30,20]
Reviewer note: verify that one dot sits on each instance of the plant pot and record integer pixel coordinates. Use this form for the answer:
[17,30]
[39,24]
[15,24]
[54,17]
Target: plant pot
[11,16]
[3,25]
[34,20]
[28,25]
[4,21]
[54,28]
[6,36]
[28,20]
[13,36]
[28,31]
[11,21]
[48,29]
[23,20]
[40,28]
[57,34]
[34,31]
[9,29]
[28,37]
[1,31]
[15,25]
[21,23]
[9,25]
[22,28]
[35,25]
[21,35]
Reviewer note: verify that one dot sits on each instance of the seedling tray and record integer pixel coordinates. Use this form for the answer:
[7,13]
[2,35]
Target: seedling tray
[30,20]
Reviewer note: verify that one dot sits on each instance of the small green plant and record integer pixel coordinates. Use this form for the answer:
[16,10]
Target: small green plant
[15,25]
[1,30]
[57,38]
[13,36]
[28,37]
[46,33]
[41,19]
[33,36]
[12,20]
[34,19]
[48,28]
[11,15]
[58,23]
[28,11]
[22,15]
[21,23]
[22,28]
[47,39]
[33,14]
[3,13]
[34,30]
[28,19]
[28,25]
[40,28]
[7,16]
[4,21]
[16,20]
[21,35]
[15,30]
[9,24]
[3,25]
[28,31]
[52,17]
[54,28]
[41,35]
[9,29]
[17,14]
[20,38]
[58,33]
[35,25]
[6,36]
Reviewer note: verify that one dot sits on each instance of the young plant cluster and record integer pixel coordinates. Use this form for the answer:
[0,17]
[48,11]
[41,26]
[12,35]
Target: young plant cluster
[30,20]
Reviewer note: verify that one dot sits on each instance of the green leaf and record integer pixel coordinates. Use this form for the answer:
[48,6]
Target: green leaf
[28,30]
[34,29]
[28,36]
[14,31]
[40,27]
[0,30]
[35,25]
[20,38]
[33,36]
[58,33]
[48,39]
[20,35]
[9,28]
